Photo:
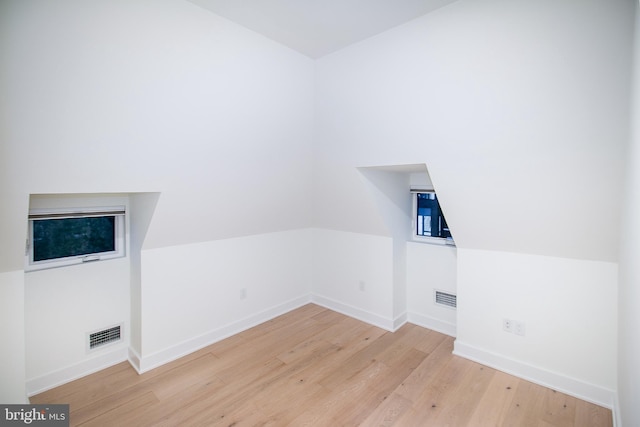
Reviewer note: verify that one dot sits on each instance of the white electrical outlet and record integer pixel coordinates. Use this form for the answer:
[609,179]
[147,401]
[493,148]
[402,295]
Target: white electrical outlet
[361,285]
[243,293]
[514,327]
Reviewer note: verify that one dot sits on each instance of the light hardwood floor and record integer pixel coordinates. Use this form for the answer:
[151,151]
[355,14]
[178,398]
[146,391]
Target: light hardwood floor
[315,367]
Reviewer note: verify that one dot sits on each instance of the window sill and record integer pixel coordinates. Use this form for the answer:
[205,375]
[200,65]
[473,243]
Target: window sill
[434,241]
[69,262]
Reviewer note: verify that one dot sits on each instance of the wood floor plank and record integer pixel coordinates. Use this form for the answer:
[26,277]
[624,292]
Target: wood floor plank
[346,397]
[437,393]
[164,387]
[362,359]
[121,414]
[287,399]
[388,412]
[526,408]
[414,385]
[349,329]
[495,402]
[589,415]
[427,341]
[256,354]
[382,387]
[303,314]
[559,409]
[328,316]
[154,415]
[463,399]
[316,367]
[91,387]
[304,349]
[317,370]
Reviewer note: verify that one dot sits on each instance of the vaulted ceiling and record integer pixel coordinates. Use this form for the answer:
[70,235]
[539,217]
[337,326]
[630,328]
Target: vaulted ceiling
[318,27]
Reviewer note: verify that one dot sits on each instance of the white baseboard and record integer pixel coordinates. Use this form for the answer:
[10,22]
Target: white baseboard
[433,324]
[134,360]
[70,373]
[553,380]
[399,321]
[144,364]
[617,420]
[357,313]
[147,362]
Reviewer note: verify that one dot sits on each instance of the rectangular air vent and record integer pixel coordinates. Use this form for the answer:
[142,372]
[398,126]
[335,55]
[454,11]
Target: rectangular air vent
[446,299]
[104,337]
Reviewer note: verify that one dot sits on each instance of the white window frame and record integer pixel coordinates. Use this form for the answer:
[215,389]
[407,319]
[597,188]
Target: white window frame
[119,212]
[414,226]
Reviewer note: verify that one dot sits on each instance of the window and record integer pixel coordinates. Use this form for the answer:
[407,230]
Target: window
[64,237]
[429,223]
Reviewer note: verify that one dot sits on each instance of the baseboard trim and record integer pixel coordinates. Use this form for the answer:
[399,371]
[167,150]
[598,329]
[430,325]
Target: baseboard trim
[357,313]
[433,324]
[617,420]
[553,380]
[79,370]
[399,321]
[148,362]
[134,360]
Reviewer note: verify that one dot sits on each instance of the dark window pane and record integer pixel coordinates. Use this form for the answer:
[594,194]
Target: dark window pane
[431,221]
[61,238]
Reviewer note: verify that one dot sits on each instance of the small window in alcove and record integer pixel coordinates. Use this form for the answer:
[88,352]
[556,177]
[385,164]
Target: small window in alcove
[63,237]
[429,223]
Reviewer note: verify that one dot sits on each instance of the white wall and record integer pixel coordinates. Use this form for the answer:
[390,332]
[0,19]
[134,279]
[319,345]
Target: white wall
[61,306]
[569,308]
[353,274]
[518,107]
[430,268]
[146,97]
[497,98]
[520,111]
[629,289]
[142,207]
[418,268]
[154,96]
[12,353]
[193,295]
[390,193]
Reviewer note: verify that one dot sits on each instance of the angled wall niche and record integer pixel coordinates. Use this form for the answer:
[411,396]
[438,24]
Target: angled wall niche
[418,269]
[63,304]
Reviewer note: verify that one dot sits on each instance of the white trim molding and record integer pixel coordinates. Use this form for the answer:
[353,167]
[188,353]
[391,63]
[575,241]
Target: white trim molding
[385,323]
[399,321]
[71,373]
[617,421]
[134,360]
[147,362]
[434,324]
[553,380]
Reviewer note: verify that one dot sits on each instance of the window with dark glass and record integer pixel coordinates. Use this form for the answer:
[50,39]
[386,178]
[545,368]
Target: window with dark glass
[62,238]
[429,221]
[58,238]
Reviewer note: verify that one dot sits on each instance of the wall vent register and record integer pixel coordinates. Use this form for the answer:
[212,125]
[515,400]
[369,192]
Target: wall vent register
[445,299]
[104,337]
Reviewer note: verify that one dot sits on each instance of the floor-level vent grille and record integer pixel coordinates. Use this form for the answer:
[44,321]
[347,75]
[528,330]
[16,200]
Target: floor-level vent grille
[106,336]
[443,298]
